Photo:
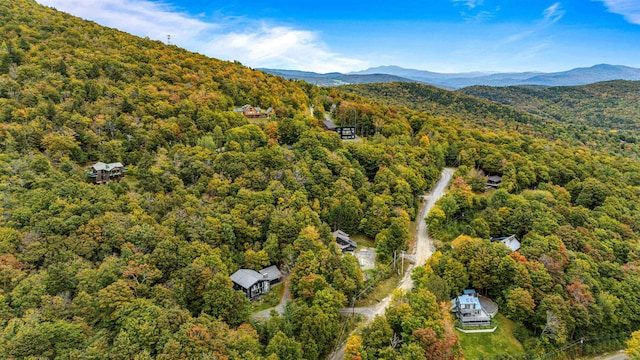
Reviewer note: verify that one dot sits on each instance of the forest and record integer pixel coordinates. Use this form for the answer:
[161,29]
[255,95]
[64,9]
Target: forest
[601,116]
[606,110]
[139,269]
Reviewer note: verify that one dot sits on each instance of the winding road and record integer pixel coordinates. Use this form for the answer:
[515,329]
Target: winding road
[421,252]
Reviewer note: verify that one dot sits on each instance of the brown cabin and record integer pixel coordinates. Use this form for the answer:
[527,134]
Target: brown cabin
[251,112]
[103,173]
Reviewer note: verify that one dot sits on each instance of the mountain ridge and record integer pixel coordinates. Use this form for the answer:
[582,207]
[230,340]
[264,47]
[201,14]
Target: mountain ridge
[334,78]
[572,77]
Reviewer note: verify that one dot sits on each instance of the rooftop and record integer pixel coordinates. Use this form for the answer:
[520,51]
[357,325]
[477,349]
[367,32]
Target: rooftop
[246,277]
[510,241]
[468,300]
[271,273]
[99,166]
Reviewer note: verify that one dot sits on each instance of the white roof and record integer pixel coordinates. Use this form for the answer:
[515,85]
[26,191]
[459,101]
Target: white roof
[511,242]
[103,166]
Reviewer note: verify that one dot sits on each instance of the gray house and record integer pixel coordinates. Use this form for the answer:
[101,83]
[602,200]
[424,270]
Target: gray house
[493,181]
[254,283]
[344,241]
[469,309]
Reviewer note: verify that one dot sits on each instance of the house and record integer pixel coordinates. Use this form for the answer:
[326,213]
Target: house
[329,125]
[344,241]
[493,181]
[468,309]
[252,112]
[345,132]
[510,241]
[254,283]
[103,173]
[272,274]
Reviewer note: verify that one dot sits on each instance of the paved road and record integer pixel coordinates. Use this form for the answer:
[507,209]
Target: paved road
[422,251]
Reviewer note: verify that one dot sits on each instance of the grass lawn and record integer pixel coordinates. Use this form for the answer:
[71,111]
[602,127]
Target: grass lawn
[271,299]
[378,293]
[487,345]
[384,288]
[363,240]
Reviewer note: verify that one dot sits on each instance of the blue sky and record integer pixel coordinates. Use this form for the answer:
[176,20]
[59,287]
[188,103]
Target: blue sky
[435,35]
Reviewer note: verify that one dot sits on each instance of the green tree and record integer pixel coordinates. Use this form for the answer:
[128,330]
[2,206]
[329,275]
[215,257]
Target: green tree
[284,347]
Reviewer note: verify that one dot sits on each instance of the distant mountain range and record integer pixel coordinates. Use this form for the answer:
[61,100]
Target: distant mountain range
[336,79]
[578,76]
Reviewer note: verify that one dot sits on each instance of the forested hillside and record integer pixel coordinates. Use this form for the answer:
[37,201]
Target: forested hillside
[612,107]
[599,116]
[576,212]
[140,269]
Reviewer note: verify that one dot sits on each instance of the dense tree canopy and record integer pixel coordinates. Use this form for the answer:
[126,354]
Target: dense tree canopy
[140,268]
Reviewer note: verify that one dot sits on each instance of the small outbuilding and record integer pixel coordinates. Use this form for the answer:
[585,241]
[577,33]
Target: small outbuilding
[329,125]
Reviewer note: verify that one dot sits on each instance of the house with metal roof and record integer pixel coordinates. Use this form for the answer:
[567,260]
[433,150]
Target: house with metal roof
[469,310]
[329,125]
[493,181]
[510,241]
[272,274]
[103,173]
[344,241]
[254,283]
[254,112]
[345,132]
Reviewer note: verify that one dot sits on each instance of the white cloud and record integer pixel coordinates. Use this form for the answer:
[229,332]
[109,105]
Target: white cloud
[254,43]
[469,3]
[142,18]
[283,47]
[630,9]
[553,13]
